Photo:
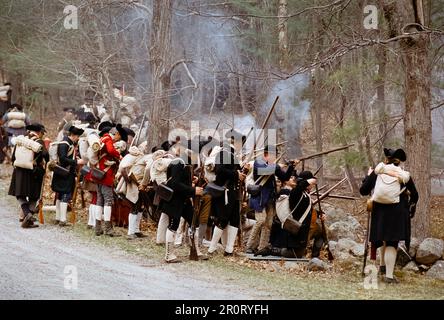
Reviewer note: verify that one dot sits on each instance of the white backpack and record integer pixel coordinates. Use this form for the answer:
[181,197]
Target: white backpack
[53,151]
[24,152]
[387,188]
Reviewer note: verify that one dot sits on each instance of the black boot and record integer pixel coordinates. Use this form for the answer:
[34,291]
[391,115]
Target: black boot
[27,221]
[276,251]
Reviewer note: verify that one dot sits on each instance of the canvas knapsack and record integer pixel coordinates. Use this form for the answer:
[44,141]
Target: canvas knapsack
[25,149]
[53,152]
[387,188]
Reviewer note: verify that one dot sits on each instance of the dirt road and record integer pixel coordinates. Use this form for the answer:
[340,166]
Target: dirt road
[41,263]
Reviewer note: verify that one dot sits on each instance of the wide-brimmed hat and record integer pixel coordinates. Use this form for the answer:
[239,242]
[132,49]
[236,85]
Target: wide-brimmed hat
[37,127]
[395,154]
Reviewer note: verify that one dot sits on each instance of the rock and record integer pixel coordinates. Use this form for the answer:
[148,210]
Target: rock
[430,251]
[437,270]
[316,264]
[402,257]
[333,214]
[345,244]
[411,266]
[414,245]
[357,250]
[342,229]
[332,245]
[423,268]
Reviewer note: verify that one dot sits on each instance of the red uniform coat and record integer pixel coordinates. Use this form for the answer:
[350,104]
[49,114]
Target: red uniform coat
[108,153]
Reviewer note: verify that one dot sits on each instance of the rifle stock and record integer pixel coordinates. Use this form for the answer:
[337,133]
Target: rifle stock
[324,231]
[196,203]
[41,217]
[74,199]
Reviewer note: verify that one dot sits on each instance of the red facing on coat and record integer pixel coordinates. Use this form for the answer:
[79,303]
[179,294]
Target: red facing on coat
[108,153]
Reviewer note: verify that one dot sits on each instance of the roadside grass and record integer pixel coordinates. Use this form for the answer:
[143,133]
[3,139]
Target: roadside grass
[277,280]
[271,280]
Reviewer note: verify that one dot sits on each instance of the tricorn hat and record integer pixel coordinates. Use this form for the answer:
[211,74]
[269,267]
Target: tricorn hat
[395,154]
[37,127]
[129,131]
[122,131]
[305,175]
[76,131]
[105,124]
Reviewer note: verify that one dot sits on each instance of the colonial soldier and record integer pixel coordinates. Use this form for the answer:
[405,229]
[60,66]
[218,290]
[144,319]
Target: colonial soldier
[63,181]
[26,184]
[265,200]
[108,164]
[179,179]
[132,176]
[5,98]
[226,205]
[15,122]
[390,222]
[67,120]
[294,245]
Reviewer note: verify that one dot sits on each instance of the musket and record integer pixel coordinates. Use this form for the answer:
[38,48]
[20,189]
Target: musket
[197,203]
[325,195]
[74,199]
[215,130]
[366,240]
[267,118]
[318,154]
[319,169]
[41,217]
[136,139]
[314,192]
[337,196]
[324,231]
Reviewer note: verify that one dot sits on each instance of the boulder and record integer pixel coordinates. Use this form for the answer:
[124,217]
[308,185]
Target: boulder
[342,229]
[345,244]
[333,214]
[316,264]
[332,245]
[414,245]
[357,250]
[411,267]
[437,270]
[430,251]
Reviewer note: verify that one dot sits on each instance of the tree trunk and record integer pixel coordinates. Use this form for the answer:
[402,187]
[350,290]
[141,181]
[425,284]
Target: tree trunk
[283,34]
[417,118]
[160,59]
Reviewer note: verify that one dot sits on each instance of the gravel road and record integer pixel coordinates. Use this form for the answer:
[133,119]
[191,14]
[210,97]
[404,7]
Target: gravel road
[42,263]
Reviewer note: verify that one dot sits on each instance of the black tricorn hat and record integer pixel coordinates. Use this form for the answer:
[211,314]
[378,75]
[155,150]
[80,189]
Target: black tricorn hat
[105,124]
[37,127]
[305,175]
[395,154]
[76,131]
[123,133]
[129,131]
